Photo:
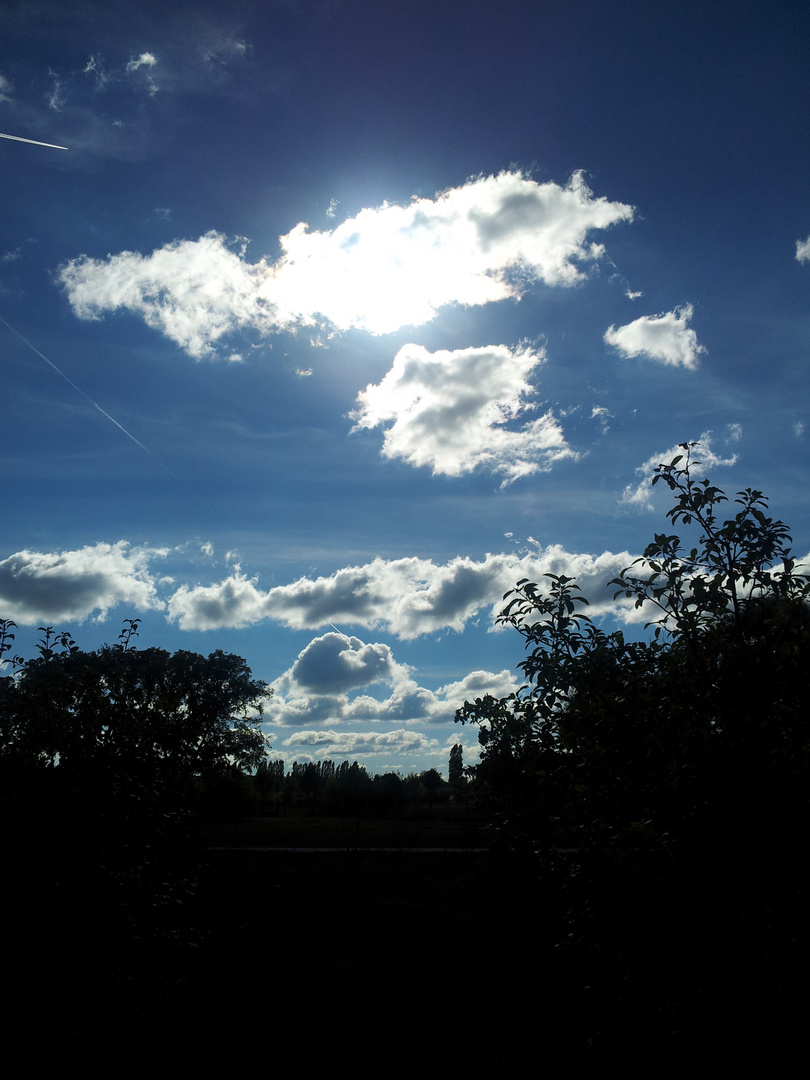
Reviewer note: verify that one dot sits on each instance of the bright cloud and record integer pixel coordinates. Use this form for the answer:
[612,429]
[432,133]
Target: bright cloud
[704,457]
[146,59]
[450,410]
[347,744]
[387,267]
[407,597]
[52,587]
[666,338]
[329,683]
[803,250]
[193,292]
[231,603]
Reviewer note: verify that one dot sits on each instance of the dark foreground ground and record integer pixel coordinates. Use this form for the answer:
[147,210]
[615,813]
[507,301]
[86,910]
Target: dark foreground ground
[359,962]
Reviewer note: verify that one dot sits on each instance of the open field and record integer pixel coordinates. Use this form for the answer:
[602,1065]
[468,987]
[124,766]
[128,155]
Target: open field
[306,831]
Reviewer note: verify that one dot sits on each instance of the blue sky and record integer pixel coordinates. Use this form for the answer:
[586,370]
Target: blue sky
[335,319]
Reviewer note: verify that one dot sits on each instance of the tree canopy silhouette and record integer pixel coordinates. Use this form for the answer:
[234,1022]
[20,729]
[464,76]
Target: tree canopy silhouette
[658,788]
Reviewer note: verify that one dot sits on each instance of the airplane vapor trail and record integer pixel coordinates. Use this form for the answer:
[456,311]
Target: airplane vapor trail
[35,142]
[79,390]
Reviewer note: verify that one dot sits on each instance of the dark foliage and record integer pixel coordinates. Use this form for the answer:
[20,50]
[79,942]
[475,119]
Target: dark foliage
[657,791]
[102,754]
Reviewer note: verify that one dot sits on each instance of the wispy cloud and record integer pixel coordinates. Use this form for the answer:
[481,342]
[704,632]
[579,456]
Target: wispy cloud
[602,416]
[666,338]
[450,411]
[141,67]
[803,250]
[56,95]
[146,59]
[704,457]
[385,268]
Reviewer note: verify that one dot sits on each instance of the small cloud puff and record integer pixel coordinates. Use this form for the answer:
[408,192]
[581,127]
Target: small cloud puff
[803,250]
[666,338]
[146,59]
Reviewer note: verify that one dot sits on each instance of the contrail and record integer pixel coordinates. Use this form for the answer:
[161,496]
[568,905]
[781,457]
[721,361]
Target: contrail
[35,142]
[95,404]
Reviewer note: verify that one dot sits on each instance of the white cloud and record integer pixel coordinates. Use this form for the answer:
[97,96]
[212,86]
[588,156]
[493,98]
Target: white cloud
[703,457]
[407,597]
[329,681]
[351,744]
[146,59]
[95,68]
[56,95]
[56,586]
[666,338]
[450,410]
[337,663]
[803,250]
[601,414]
[231,603]
[191,291]
[385,268]
[6,89]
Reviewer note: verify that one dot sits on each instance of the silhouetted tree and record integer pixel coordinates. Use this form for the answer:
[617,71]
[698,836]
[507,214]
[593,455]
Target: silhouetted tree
[455,767]
[100,755]
[676,768]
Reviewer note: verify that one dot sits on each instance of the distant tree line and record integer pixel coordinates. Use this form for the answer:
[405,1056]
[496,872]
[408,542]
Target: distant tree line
[330,789]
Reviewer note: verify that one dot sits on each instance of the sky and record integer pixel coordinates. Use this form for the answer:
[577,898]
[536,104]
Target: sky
[335,319]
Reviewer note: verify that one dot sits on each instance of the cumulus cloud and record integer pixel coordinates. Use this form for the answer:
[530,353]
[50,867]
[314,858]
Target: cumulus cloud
[330,683]
[232,603]
[407,597]
[385,268]
[193,292]
[704,457]
[410,597]
[803,250]
[56,586]
[666,338]
[451,410]
[346,744]
[334,663]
